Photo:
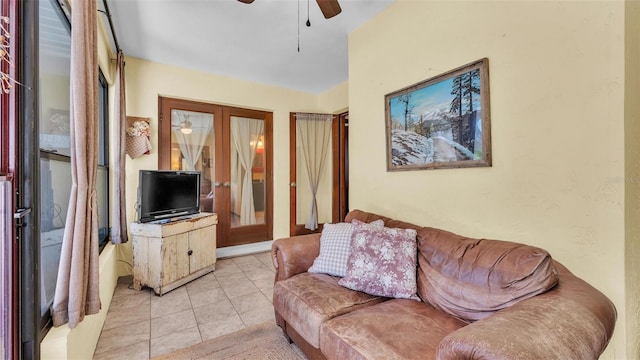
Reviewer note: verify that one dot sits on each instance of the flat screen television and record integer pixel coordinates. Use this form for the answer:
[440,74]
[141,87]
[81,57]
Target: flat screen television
[167,194]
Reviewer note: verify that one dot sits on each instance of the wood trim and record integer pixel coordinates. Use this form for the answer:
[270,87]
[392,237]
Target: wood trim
[292,174]
[8,166]
[268,173]
[335,164]
[343,166]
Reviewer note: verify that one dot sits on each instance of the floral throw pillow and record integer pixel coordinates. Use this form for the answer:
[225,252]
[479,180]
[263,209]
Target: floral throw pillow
[335,247]
[382,262]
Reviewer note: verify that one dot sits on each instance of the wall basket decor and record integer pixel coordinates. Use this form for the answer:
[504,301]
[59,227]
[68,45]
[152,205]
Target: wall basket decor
[138,135]
[442,122]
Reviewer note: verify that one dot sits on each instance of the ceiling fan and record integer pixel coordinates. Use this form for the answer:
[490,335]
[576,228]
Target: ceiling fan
[329,8]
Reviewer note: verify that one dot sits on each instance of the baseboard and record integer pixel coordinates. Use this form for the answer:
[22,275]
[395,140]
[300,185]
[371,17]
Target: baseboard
[247,249]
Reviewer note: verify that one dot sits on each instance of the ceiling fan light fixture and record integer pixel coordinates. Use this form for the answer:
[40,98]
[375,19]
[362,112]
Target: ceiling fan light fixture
[185,127]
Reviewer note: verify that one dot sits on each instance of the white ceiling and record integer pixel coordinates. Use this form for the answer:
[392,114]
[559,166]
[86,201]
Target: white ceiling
[256,42]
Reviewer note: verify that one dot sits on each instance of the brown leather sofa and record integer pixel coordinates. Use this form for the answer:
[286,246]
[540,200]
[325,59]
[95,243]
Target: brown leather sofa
[572,320]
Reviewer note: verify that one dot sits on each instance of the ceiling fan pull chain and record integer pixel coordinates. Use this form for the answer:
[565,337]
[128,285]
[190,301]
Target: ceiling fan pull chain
[298,25]
[308,22]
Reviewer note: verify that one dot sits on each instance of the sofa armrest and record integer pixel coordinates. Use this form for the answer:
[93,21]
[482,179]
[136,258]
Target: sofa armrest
[571,321]
[294,255]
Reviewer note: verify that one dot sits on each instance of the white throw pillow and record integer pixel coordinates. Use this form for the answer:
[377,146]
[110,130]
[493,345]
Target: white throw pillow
[335,247]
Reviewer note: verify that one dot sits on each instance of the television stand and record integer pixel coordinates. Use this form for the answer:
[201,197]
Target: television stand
[169,255]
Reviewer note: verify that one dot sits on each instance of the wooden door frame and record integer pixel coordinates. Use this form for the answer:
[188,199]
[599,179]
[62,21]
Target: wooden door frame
[9,164]
[343,166]
[226,236]
[339,177]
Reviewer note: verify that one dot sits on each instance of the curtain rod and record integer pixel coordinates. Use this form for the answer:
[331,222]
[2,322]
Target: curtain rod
[113,31]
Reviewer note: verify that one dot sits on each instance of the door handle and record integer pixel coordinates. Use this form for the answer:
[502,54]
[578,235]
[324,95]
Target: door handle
[293,184]
[227,184]
[20,213]
[217,184]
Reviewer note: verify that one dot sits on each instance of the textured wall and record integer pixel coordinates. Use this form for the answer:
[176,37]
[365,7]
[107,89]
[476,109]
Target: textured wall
[632,176]
[557,78]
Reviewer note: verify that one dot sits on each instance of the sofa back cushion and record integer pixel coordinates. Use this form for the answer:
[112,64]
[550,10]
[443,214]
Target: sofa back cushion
[365,217]
[473,278]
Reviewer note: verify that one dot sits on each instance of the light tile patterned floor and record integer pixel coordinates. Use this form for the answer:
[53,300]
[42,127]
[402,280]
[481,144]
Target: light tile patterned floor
[141,325]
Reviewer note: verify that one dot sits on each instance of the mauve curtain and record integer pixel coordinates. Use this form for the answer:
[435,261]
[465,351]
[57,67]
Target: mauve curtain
[119,210]
[314,135]
[77,291]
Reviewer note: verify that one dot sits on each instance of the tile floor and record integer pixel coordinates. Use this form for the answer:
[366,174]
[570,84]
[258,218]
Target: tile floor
[141,325]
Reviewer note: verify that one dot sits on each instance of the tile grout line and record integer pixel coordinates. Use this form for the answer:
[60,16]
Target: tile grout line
[245,269]
[149,347]
[193,311]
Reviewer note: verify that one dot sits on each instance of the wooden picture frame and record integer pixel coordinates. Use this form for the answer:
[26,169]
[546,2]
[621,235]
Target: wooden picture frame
[441,122]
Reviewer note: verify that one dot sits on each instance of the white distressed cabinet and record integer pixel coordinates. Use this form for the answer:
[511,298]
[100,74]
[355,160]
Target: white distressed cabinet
[166,256]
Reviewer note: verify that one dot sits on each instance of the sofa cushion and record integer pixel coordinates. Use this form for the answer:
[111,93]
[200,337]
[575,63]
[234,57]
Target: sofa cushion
[382,261]
[365,217]
[335,247]
[395,329]
[306,300]
[473,278]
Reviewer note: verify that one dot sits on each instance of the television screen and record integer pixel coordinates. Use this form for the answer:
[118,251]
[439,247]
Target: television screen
[166,194]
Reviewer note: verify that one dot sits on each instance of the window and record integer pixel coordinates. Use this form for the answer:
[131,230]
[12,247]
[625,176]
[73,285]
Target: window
[102,180]
[54,136]
[55,166]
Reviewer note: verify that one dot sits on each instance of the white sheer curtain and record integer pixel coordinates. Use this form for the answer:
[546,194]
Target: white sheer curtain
[191,144]
[314,133]
[245,134]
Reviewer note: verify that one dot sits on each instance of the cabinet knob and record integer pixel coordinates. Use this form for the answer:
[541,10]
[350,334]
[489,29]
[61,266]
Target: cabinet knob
[190,252]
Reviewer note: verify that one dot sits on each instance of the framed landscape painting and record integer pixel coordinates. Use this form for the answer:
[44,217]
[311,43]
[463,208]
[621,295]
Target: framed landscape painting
[442,122]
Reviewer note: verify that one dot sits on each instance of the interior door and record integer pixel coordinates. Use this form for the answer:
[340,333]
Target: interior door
[230,147]
[332,185]
[248,175]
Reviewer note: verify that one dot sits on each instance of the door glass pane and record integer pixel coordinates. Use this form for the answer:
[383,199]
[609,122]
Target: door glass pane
[192,148]
[55,65]
[55,187]
[6,221]
[54,45]
[247,171]
[313,168]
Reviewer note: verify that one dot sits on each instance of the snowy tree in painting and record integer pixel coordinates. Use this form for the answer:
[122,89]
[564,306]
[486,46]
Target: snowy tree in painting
[437,123]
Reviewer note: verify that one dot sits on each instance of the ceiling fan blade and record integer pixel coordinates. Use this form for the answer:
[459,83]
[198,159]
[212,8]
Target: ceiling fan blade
[246,1]
[329,8]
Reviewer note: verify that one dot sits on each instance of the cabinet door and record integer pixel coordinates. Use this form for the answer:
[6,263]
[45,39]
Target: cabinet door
[175,258]
[203,245]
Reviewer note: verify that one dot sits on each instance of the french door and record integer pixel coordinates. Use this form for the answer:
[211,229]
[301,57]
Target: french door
[231,148]
[332,184]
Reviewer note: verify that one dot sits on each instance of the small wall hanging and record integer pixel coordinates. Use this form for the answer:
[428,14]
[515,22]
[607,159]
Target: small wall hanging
[138,135]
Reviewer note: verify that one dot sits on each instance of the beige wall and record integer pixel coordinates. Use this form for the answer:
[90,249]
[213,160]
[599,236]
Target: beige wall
[147,80]
[80,342]
[632,176]
[558,180]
